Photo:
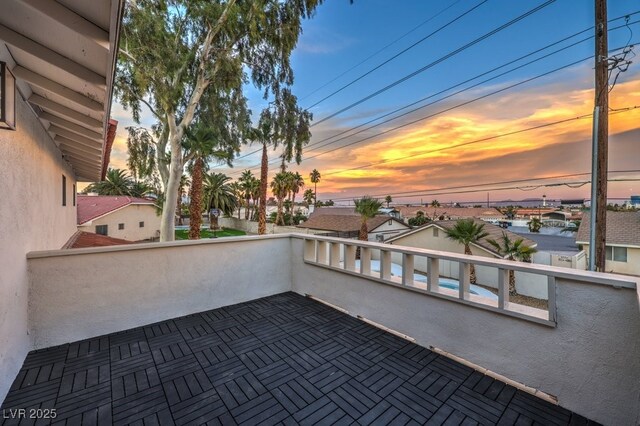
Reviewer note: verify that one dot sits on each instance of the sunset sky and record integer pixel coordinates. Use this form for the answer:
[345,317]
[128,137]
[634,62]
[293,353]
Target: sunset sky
[440,145]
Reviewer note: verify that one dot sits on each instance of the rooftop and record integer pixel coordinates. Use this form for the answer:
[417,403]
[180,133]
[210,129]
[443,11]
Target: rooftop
[623,228]
[91,207]
[83,239]
[284,358]
[344,222]
[450,212]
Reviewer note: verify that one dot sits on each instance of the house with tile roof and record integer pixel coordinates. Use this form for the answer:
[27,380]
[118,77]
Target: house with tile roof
[380,227]
[623,241]
[82,239]
[120,217]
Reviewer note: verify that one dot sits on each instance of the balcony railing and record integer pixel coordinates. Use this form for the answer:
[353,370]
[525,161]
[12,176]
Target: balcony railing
[583,349]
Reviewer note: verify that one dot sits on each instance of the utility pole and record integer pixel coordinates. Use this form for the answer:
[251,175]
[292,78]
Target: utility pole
[601,140]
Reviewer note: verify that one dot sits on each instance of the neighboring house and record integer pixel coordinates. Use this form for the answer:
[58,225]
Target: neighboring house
[123,217]
[351,211]
[433,236]
[451,213]
[622,239]
[348,226]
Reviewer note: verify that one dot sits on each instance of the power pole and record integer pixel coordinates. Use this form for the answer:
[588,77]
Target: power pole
[601,135]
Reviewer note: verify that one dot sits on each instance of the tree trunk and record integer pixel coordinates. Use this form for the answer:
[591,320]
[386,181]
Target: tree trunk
[279,216]
[472,268]
[195,193]
[262,209]
[167,224]
[315,193]
[247,211]
[179,207]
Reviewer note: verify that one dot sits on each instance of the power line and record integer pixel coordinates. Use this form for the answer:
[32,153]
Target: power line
[438,191]
[458,92]
[460,84]
[381,49]
[488,138]
[436,31]
[437,61]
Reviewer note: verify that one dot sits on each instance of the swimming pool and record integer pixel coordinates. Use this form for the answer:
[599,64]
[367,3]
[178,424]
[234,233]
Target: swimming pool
[396,271]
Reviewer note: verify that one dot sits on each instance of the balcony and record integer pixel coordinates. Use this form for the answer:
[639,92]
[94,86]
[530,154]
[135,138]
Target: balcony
[190,332]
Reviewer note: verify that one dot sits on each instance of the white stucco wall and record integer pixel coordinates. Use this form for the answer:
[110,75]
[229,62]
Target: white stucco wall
[589,361]
[31,218]
[388,230]
[81,293]
[131,216]
[631,266]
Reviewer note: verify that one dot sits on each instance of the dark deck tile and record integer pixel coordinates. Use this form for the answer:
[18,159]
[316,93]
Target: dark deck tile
[284,359]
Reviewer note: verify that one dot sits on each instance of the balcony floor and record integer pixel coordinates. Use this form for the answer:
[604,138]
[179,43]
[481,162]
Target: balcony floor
[281,359]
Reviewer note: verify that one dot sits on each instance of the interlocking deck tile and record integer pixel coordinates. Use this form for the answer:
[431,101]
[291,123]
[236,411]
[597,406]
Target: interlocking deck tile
[284,359]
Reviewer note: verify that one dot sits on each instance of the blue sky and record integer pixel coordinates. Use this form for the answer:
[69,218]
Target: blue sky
[342,35]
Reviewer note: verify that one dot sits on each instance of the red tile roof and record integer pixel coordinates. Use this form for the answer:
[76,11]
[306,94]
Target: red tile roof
[83,239]
[108,144]
[93,206]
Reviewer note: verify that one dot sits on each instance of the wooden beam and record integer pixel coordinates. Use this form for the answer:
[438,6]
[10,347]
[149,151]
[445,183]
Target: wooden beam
[66,124]
[54,58]
[61,139]
[64,111]
[57,89]
[93,155]
[78,160]
[74,136]
[71,20]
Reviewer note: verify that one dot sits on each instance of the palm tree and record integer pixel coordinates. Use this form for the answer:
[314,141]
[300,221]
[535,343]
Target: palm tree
[435,203]
[255,196]
[202,144]
[280,188]
[297,183]
[246,181]
[467,232]
[308,197]
[184,182]
[510,212]
[219,194]
[140,189]
[388,200]
[315,178]
[282,123]
[116,182]
[367,208]
[513,250]
[535,224]
[238,192]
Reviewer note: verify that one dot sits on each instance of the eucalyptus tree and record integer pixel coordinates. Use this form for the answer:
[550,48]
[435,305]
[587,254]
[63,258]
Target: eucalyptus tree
[173,52]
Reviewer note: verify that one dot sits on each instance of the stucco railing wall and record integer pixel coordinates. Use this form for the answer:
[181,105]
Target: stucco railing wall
[82,293]
[252,227]
[588,360]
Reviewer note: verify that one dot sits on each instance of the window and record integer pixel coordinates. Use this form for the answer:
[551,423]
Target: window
[435,232]
[121,226]
[74,195]
[617,254]
[141,224]
[102,229]
[64,190]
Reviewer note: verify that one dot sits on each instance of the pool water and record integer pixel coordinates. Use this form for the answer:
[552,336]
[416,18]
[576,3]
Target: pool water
[396,271]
